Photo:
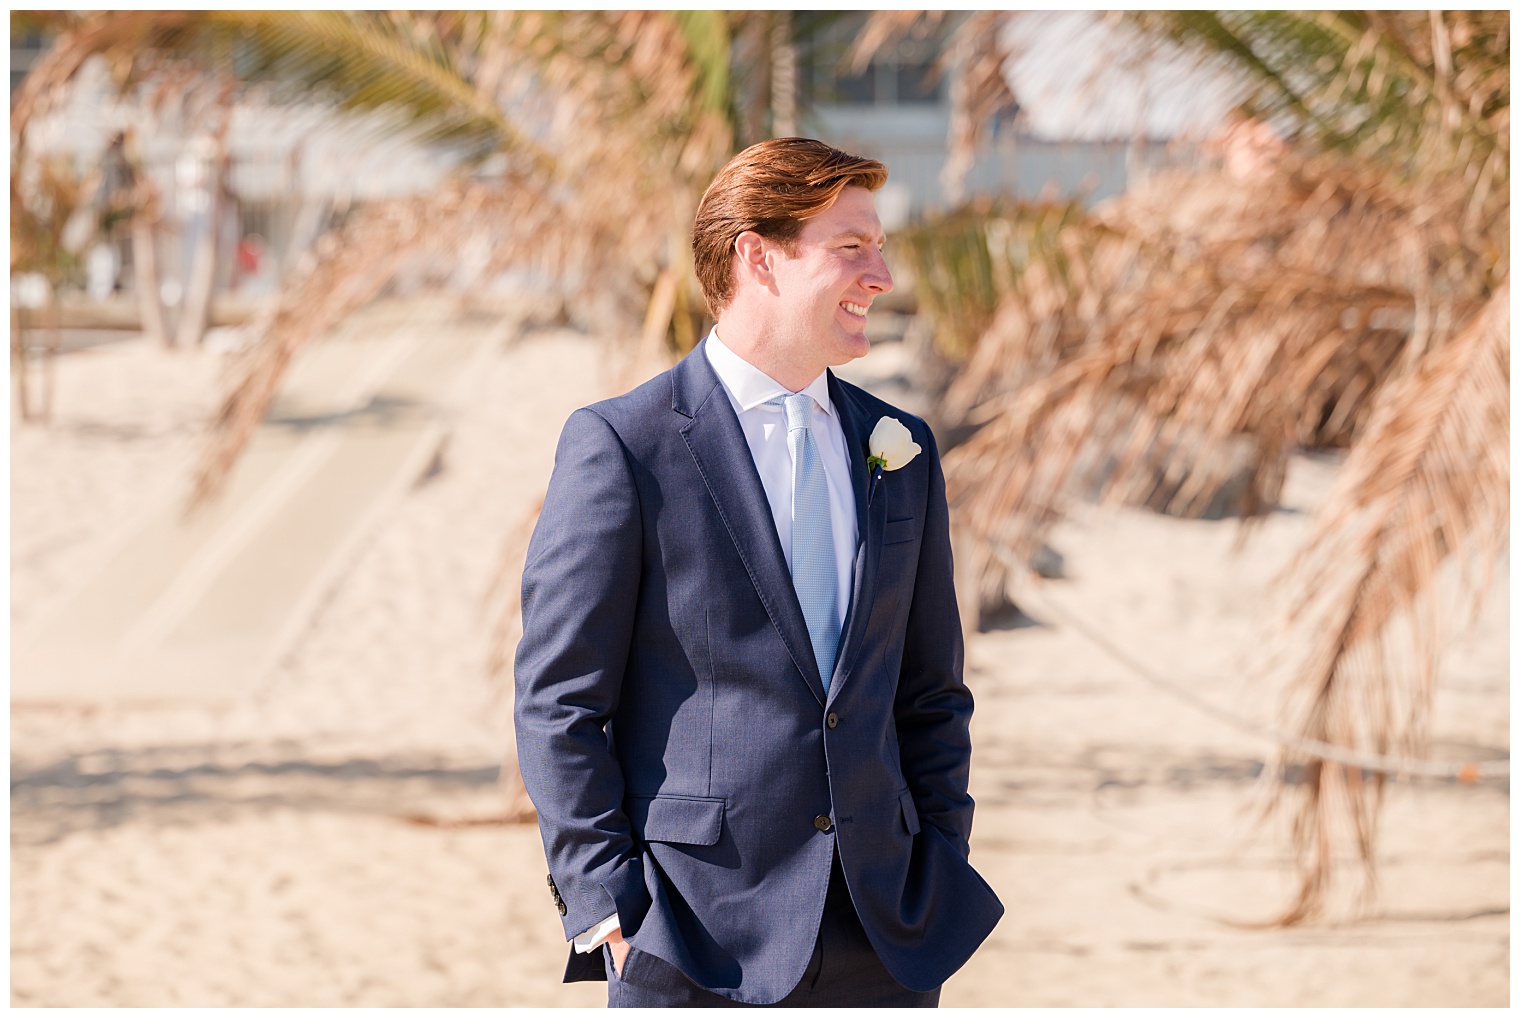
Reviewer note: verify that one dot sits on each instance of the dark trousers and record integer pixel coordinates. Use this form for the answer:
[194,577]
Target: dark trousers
[844,970]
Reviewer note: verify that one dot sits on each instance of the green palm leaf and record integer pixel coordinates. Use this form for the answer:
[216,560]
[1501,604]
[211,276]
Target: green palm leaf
[707,47]
[359,61]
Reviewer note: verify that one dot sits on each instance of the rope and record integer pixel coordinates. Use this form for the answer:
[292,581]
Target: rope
[1465,771]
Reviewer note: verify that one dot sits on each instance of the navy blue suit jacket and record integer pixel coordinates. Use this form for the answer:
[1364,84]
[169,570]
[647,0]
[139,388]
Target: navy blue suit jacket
[672,726]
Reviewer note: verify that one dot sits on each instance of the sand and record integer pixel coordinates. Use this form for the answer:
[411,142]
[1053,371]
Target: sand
[259,851]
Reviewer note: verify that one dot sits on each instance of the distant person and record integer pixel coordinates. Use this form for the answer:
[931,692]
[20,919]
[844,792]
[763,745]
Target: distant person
[248,260]
[101,267]
[740,710]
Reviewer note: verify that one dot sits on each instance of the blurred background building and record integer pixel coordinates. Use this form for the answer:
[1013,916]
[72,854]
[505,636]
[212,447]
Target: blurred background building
[898,109]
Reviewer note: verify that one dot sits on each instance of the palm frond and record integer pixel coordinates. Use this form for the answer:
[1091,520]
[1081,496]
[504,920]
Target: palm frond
[523,226]
[617,95]
[1426,487]
[1166,348]
[707,45]
[368,61]
[979,95]
[1178,343]
[356,60]
[884,29]
[975,55]
[1407,87]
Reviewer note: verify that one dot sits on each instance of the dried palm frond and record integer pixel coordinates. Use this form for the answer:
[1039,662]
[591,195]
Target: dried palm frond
[401,63]
[979,95]
[359,60]
[1426,489]
[617,121]
[615,104]
[1181,341]
[975,56]
[628,114]
[970,258]
[48,204]
[78,38]
[636,126]
[884,29]
[519,226]
[1406,87]
[1170,345]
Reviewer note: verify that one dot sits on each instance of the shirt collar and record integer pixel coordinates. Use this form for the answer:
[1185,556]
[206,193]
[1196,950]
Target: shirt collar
[748,386]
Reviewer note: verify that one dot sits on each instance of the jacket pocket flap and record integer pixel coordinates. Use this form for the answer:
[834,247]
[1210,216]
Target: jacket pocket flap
[909,812]
[899,531]
[678,819]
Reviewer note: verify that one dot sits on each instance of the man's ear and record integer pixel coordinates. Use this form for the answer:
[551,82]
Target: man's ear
[753,257]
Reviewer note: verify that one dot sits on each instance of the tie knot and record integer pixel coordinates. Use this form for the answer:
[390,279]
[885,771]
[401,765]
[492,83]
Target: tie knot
[799,410]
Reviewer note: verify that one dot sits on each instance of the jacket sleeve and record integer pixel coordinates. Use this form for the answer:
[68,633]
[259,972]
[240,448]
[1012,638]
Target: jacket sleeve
[579,594]
[933,705]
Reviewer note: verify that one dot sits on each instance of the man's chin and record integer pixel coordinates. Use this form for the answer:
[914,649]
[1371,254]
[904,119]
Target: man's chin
[849,344]
[855,350]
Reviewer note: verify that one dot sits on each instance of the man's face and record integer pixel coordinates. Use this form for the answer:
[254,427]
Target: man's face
[828,285]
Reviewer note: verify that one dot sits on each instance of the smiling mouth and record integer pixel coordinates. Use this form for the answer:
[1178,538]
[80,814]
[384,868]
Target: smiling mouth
[858,310]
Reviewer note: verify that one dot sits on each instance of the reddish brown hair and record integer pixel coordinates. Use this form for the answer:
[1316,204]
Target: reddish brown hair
[772,188]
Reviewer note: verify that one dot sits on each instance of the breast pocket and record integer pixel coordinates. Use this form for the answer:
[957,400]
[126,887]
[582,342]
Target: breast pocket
[899,531]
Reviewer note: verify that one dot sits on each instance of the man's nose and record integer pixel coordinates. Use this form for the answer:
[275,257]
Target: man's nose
[878,277]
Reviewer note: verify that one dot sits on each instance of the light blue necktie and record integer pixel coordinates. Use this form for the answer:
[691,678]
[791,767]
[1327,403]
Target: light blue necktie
[814,569]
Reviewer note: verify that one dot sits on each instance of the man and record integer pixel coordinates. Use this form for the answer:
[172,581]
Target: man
[740,709]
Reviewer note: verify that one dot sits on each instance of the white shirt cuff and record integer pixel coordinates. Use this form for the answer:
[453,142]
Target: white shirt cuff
[597,935]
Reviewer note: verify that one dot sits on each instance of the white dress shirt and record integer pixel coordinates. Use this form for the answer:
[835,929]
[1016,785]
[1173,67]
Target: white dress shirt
[749,389]
[764,427]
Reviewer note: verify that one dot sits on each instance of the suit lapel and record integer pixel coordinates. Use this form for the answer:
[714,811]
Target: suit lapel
[723,459]
[871,520]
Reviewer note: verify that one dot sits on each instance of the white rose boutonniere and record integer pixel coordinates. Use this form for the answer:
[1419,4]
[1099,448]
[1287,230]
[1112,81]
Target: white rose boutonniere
[892,447]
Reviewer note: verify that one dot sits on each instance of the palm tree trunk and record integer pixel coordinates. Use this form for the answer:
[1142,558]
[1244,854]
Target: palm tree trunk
[783,76]
[18,360]
[145,275]
[197,309]
[753,103]
[657,317]
[54,326]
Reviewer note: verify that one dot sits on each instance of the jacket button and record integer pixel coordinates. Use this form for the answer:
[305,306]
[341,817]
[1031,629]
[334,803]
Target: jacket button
[822,822]
[832,720]
[562,908]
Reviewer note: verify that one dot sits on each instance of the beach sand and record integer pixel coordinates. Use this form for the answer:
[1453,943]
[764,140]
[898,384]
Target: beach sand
[267,849]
